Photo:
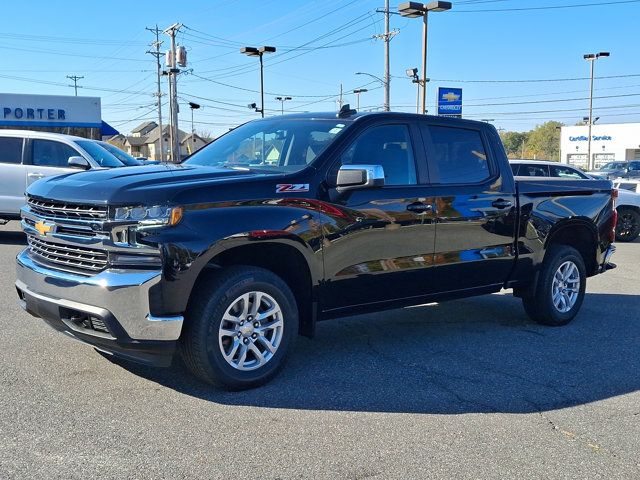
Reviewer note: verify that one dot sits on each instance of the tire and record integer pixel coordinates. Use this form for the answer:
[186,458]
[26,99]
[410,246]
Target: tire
[218,323]
[628,226]
[568,287]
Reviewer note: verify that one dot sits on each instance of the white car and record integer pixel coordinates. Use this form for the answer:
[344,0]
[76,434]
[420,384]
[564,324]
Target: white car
[627,203]
[26,156]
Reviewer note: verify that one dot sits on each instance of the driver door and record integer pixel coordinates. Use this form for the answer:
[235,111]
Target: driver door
[47,158]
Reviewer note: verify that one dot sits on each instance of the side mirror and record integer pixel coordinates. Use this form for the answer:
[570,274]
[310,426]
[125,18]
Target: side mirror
[78,162]
[352,177]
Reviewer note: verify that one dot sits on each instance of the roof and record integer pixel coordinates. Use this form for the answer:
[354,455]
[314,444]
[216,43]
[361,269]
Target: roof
[136,141]
[539,162]
[144,126]
[154,134]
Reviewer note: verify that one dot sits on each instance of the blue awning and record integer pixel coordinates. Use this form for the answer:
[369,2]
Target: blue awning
[108,130]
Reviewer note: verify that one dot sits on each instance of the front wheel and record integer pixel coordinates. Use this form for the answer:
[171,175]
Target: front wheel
[628,226]
[560,288]
[240,327]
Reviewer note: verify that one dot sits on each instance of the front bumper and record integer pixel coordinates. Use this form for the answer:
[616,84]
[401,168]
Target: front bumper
[117,299]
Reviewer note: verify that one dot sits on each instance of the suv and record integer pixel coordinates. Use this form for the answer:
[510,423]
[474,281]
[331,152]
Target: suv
[627,203]
[293,219]
[26,156]
[618,169]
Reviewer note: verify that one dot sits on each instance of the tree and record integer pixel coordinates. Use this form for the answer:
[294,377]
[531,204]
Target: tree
[544,141]
[513,142]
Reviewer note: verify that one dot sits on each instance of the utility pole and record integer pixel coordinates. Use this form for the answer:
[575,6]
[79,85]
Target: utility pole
[75,79]
[387,74]
[173,93]
[340,102]
[156,53]
[591,58]
[386,38]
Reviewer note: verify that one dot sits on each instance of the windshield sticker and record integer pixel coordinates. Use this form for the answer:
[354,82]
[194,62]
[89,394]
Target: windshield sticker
[292,187]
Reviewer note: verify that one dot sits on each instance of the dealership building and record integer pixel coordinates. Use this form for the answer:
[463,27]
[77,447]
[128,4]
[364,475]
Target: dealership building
[80,116]
[609,142]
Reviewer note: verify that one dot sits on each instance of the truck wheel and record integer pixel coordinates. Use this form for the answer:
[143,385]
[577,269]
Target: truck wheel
[560,288]
[239,327]
[628,226]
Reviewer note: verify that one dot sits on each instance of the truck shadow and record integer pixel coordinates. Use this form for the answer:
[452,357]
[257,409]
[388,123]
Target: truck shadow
[474,355]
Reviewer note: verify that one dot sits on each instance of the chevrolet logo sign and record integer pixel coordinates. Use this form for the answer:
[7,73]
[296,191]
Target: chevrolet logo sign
[44,227]
[450,97]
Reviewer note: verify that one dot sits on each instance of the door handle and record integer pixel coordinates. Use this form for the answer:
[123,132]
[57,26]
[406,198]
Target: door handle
[35,175]
[500,203]
[419,207]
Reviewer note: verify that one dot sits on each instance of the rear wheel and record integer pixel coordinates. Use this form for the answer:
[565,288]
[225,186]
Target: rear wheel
[628,226]
[240,328]
[560,288]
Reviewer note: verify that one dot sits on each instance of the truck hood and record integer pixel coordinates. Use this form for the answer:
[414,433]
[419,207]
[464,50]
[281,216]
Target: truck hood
[149,184]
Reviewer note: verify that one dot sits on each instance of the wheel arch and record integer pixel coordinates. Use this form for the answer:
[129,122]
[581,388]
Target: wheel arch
[580,234]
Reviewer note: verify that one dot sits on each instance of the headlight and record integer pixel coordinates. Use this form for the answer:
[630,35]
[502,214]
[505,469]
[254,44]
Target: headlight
[150,216]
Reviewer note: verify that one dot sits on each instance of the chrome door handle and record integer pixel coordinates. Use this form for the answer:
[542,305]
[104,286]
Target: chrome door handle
[419,207]
[36,175]
[500,203]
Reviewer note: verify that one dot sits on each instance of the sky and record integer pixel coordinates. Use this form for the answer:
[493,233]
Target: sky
[519,62]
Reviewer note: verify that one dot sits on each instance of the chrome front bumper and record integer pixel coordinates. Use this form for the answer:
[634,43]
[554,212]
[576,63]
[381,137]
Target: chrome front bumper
[120,295]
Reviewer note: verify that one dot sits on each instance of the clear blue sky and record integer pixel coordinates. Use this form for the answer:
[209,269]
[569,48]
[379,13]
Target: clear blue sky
[105,42]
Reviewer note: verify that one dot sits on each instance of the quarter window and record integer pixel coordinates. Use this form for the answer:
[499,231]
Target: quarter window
[533,171]
[459,155]
[49,153]
[10,150]
[566,172]
[388,146]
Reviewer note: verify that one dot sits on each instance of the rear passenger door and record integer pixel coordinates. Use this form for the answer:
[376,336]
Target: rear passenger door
[47,158]
[12,175]
[475,206]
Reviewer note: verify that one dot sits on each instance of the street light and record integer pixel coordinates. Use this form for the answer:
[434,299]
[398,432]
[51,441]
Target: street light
[282,100]
[412,73]
[259,52]
[193,106]
[358,91]
[384,84]
[415,10]
[591,58]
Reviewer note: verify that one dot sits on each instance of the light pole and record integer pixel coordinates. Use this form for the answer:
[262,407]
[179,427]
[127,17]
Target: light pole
[591,58]
[358,91]
[282,100]
[193,106]
[259,52]
[387,107]
[412,73]
[415,10]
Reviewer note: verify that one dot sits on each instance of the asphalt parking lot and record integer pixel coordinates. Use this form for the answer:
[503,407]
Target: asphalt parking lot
[466,389]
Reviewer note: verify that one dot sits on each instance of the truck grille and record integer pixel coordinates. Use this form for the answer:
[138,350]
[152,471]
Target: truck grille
[65,210]
[86,260]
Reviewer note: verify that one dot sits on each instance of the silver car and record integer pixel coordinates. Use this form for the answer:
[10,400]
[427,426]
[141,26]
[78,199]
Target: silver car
[26,156]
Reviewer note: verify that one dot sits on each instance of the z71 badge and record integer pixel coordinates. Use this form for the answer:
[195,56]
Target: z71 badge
[292,187]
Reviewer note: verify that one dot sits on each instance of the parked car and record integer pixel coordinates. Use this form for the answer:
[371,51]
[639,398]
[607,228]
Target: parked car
[124,157]
[618,169]
[27,156]
[627,184]
[345,214]
[627,203]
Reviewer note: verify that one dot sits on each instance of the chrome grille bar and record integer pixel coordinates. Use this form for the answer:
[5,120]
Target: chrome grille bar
[67,210]
[85,259]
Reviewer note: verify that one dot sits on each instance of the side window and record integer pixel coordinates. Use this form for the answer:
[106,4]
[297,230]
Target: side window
[386,145]
[459,155]
[514,168]
[565,172]
[10,150]
[634,166]
[49,153]
[534,171]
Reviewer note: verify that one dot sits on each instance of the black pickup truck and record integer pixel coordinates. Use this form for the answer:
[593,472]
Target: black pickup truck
[289,220]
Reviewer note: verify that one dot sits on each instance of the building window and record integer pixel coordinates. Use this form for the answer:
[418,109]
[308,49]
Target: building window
[579,160]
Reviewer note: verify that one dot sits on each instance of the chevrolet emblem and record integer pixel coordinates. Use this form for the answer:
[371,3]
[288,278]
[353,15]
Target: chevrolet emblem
[450,97]
[43,227]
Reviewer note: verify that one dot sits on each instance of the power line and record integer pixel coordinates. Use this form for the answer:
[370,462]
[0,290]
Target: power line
[549,7]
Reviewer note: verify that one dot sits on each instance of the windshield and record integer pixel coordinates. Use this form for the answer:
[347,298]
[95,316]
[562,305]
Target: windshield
[275,145]
[99,154]
[612,166]
[120,155]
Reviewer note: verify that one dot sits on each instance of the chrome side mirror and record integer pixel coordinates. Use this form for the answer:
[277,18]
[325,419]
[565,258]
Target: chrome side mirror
[352,177]
[78,162]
